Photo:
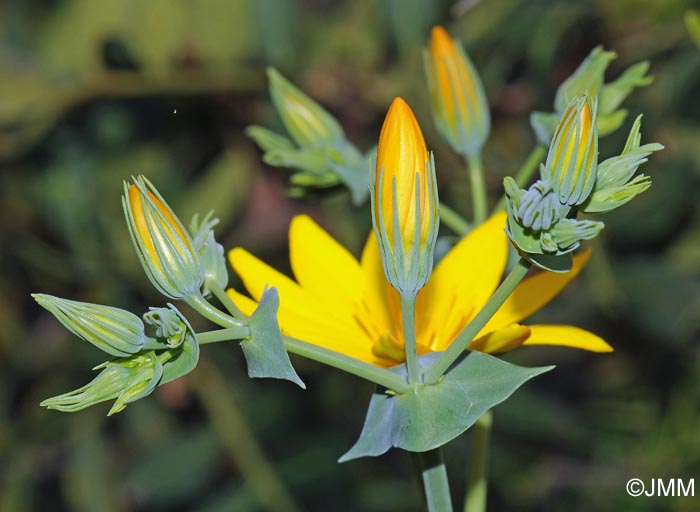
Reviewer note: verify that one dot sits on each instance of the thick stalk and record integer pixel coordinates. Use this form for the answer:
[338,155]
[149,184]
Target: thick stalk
[237,437]
[465,337]
[435,483]
[408,313]
[453,220]
[478,188]
[477,479]
[522,177]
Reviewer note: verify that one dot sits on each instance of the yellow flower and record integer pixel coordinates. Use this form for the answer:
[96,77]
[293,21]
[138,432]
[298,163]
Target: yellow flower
[348,306]
[458,100]
[404,200]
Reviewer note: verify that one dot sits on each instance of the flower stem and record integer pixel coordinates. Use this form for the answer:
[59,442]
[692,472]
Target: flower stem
[370,372]
[408,314]
[434,474]
[465,337]
[225,299]
[477,480]
[478,188]
[232,333]
[454,220]
[526,171]
[385,378]
[204,308]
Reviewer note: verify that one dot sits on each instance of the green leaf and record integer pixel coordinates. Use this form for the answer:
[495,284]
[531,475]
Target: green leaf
[558,263]
[264,350]
[186,354]
[430,416]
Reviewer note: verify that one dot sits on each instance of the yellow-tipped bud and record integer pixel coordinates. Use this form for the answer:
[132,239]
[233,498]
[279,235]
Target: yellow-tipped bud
[572,162]
[165,249]
[404,200]
[458,100]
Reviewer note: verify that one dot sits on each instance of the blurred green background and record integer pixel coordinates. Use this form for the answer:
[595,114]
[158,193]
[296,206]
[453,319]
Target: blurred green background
[92,92]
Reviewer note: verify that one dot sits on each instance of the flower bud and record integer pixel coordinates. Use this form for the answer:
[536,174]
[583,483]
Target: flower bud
[113,330]
[404,201]
[165,249]
[458,100]
[572,161]
[306,121]
[127,380]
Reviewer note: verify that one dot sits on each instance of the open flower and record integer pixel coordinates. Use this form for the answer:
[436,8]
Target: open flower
[348,306]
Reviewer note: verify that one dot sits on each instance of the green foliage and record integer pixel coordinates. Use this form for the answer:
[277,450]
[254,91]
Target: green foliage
[428,416]
[264,350]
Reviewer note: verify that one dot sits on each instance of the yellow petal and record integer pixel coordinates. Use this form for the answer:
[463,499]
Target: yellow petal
[462,283]
[380,298]
[301,314]
[566,336]
[322,266]
[245,304]
[501,340]
[533,293]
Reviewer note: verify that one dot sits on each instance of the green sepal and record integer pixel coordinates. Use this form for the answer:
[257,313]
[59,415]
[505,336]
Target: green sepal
[557,263]
[614,197]
[614,93]
[211,251]
[267,140]
[429,416]
[186,355]
[264,349]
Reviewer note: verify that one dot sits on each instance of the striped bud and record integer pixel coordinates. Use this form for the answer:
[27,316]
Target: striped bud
[404,200]
[458,100]
[165,249]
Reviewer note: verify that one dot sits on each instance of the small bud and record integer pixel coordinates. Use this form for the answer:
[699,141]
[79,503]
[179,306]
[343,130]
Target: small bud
[306,121]
[589,77]
[127,380]
[404,201]
[459,104]
[166,251]
[167,324]
[616,183]
[572,161]
[113,330]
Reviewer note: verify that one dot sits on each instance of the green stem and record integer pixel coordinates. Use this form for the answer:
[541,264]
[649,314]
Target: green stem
[370,372]
[408,314]
[434,473]
[367,371]
[238,438]
[477,480]
[225,300]
[201,306]
[465,337]
[454,220]
[526,171]
[478,188]
[232,333]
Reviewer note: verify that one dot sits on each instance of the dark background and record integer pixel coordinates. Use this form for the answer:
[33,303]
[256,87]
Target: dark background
[93,92]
